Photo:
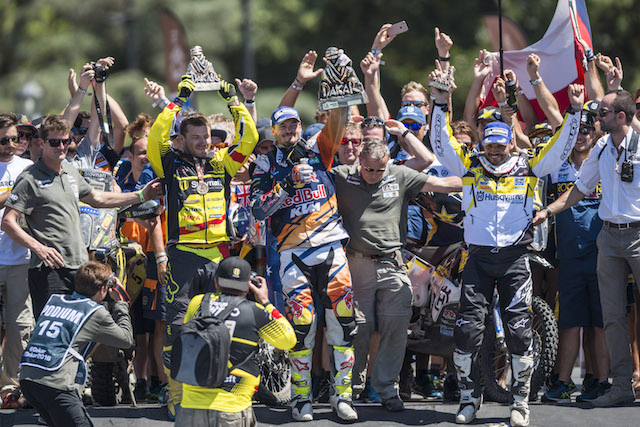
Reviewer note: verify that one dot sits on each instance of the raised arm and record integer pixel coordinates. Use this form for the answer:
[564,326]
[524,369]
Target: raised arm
[471,105]
[248,88]
[592,83]
[508,114]
[422,157]
[70,112]
[443,45]
[370,66]
[545,98]
[305,73]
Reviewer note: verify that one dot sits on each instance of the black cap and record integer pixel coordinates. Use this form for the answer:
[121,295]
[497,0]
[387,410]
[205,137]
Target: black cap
[222,134]
[234,273]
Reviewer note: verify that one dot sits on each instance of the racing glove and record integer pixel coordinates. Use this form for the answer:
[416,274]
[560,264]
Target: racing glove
[299,175]
[185,87]
[227,91]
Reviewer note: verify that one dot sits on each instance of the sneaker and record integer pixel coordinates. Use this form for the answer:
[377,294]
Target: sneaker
[593,392]
[560,393]
[395,404]
[302,411]
[519,414]
[12,400]
[172,414]
[468,408]
[141,390]
[426,386]
[343,408]
[450,391]
[617,394]
[371,395]
[163,395]
[588,383]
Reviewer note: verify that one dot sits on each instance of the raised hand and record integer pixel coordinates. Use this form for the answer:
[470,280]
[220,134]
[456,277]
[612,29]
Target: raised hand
[153,90]
[227,91]
[576,96]
[86,76]
[185,87]
[614,76]
[533,65]
[370,64]
[604,62]
[499,90]
[443,43]
[480,69]
[382,39]
[305,70]
[248,88]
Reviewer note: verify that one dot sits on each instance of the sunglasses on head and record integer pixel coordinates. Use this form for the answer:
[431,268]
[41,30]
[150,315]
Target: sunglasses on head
[371,122]
[354,141]
[416,103]
[413,126]
[55,142]
[8,139]
[79,131]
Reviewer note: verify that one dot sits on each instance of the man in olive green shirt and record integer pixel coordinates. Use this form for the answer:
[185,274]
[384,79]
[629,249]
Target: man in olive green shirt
[47,193]
[372,198]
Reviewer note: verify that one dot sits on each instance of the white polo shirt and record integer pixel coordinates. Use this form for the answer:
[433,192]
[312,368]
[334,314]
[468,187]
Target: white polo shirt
[11,253]
[620,200]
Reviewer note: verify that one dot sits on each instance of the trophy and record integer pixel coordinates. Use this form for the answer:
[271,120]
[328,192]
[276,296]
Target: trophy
[340,86]
[202,72]
[443,82]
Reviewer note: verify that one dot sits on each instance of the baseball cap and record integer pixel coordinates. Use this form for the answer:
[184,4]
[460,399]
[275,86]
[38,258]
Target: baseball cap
[23,121]
[497,133]
[412,112]
[490,114]
[283,113]
[234,273]
[312,130]
[265,134]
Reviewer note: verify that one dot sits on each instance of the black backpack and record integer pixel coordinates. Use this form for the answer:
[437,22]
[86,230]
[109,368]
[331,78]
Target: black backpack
[200,352]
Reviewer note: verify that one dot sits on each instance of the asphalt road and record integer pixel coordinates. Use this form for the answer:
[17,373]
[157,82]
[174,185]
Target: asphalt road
[415,413]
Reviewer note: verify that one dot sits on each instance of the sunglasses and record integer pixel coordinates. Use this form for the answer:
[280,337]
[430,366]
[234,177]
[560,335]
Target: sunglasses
[55,142]
[354,141]
[218,145]
[5,141]
[373,170]
[604,112]
[540,139]
[585,130]
[416,103]
[79,131]
[413,126]
[371,122]
[22,134]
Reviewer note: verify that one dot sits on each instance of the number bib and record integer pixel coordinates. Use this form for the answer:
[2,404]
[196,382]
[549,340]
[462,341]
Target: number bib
[58,325]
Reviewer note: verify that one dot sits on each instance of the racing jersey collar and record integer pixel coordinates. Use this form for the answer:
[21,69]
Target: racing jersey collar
[501,169]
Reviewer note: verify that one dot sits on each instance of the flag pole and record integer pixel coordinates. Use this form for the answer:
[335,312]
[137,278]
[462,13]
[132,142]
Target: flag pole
[500,38]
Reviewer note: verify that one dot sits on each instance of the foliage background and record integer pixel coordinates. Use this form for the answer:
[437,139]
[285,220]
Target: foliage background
[41,39]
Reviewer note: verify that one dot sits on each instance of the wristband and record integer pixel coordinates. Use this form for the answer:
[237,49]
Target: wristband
[294,86]
[445,58]
[404,134]
[520,92]
[162,103]
[376,51]
[160,254]
[162,259]
[251,102]
[589,55]
[141,196]
[536,81]
[549,213]
[82,91]
[502,104]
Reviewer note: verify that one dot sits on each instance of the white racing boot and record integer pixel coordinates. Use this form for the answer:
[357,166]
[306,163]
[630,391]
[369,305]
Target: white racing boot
[301,408]
[522,368]
[469,404]
[341,366]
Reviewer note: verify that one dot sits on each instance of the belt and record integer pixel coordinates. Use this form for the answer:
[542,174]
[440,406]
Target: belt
[394,258]
[357,254]
[622,226]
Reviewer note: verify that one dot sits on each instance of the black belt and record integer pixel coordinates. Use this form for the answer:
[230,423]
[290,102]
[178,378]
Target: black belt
[394,257]
[622,226]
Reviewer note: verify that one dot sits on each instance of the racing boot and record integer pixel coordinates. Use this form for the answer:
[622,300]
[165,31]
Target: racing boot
[341,366]
[301,409]
[522,368]
[470,392]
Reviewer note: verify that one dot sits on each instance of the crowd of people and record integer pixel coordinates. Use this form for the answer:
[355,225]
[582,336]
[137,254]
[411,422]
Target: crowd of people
[333,204]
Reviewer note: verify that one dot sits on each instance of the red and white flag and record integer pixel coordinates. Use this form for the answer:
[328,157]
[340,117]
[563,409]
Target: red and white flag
[560,52]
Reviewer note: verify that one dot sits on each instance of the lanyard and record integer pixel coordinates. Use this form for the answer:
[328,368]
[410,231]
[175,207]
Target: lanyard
[202,187]
[108,141]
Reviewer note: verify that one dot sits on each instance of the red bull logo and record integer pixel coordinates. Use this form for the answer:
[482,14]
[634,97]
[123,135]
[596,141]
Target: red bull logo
[306,195]
[348,298]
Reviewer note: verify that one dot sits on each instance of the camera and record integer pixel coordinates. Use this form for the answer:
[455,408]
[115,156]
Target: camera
[626,175]
[512,95]
[254,279]
[111,282]
[101,73]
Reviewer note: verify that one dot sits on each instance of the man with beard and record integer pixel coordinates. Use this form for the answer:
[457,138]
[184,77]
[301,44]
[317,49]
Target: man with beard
[614,164]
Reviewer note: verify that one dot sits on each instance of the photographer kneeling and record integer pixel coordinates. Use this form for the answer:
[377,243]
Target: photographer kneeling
[66,332]
[229,404]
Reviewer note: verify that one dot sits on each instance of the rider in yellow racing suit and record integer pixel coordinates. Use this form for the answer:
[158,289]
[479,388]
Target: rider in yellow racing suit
[196,185]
